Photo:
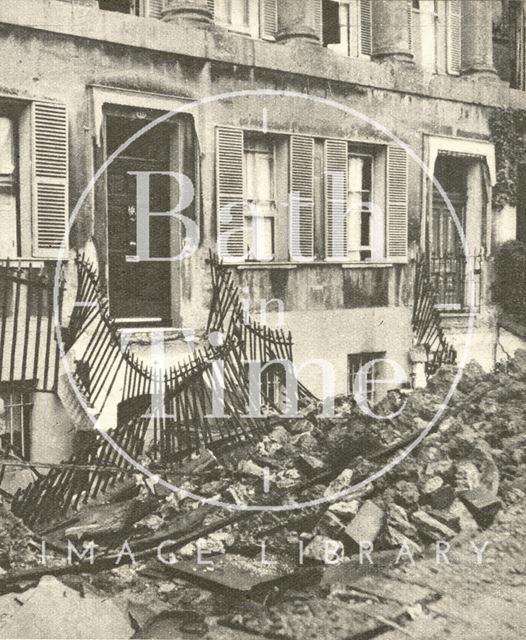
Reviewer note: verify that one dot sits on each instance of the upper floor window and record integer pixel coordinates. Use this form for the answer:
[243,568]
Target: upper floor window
[256,18]
[121,6]
[435,34]
[347,26]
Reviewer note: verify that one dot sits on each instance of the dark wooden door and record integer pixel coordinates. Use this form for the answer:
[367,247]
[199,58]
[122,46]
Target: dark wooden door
[139,291]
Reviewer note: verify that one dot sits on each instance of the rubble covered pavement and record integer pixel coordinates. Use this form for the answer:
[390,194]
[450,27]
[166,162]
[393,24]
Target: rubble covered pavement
[380,561]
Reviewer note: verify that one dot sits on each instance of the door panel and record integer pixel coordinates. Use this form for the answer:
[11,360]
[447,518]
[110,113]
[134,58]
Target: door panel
[139,290]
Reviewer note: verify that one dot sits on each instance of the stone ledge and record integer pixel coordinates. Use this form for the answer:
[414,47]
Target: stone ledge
[217,44]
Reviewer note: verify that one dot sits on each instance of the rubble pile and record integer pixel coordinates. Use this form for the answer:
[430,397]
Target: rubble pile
[470,465]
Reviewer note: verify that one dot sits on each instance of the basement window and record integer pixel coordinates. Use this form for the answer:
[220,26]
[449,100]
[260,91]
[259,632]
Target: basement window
[363,379]
[15,418]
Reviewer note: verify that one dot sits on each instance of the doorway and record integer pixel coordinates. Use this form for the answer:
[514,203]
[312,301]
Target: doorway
[139,291]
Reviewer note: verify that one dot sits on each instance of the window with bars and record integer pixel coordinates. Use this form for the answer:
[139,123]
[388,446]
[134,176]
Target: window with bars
[15,419]
[347,26]
[259,196]
[364,372]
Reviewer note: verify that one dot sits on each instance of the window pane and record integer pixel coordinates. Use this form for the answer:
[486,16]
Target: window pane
[8,202]
[259,231]
[7,155]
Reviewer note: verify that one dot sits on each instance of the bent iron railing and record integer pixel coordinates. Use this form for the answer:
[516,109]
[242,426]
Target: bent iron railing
[183,424]
[427,323]
[457,280]
[28,343]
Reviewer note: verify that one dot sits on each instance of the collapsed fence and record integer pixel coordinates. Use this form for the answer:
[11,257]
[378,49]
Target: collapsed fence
[174,412]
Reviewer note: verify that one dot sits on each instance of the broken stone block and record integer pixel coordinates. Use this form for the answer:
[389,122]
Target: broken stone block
[397,517]
[280,435]
[431,528]
[467,476]
[407,494]
[367,523]
[438,494]
[309,465]
[447,518]
[341,483]
[482,504]
[306,442]
[396,539]
[345,510]
[466,520]
[250,468]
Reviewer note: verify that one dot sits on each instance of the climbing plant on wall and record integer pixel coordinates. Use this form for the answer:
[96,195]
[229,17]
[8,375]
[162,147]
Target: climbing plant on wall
[508,133]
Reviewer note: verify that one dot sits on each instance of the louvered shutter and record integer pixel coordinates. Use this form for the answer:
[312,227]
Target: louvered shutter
[154,8]
[49,178]
[229,167]
[269,19]
[454,37]
[211,7]
[336,162]
[410,24]
[397,204]
[301,220]
[318,18]
[366,28]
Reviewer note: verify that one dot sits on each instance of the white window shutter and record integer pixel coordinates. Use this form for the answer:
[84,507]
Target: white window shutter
[336,180]
[301,208]
[318,18]
[269,19]
[211,7]
[230,197]
[366,28]
[49,179]
[154,9]
[454,36]
[397,204]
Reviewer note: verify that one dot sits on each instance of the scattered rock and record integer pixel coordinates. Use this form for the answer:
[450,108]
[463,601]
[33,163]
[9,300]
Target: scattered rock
[367,524]
[431,528]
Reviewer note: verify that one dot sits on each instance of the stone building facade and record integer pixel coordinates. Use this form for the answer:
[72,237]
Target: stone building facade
[83,82]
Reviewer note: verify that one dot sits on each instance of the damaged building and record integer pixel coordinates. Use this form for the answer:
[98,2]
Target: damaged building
[314,190]
[348,291]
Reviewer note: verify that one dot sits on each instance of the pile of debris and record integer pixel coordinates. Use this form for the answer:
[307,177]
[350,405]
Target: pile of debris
[471,464]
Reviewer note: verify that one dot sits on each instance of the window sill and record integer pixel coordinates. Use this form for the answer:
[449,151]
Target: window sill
[312,263]
[25,263]
[366,265]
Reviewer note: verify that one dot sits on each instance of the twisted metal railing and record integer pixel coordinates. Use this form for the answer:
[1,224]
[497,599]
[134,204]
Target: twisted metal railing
[427,323]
